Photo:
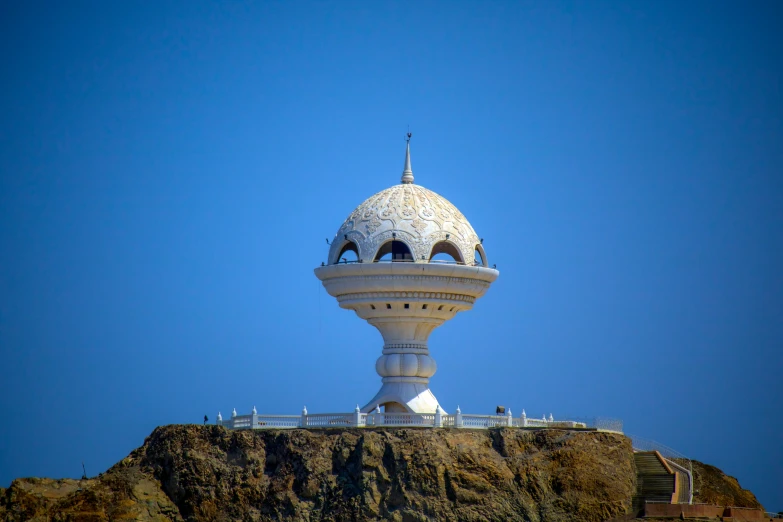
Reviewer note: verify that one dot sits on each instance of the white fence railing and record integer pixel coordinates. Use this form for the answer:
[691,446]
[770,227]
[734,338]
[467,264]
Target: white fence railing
[438,419]
[274,421]
[402,419]
[327,420]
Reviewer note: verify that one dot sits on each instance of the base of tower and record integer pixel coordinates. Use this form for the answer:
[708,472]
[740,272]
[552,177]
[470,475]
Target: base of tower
[410,397]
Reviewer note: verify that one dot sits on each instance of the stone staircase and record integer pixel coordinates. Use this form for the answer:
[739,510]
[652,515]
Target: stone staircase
[655,482]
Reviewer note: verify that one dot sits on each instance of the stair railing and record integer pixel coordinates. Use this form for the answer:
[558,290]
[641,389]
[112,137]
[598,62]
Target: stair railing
[671,456]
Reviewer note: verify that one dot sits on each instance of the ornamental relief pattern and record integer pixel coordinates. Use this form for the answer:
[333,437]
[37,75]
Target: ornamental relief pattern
[414,351]
[418,225]
[401,347]
[407,295]
[419,217]
[421,279]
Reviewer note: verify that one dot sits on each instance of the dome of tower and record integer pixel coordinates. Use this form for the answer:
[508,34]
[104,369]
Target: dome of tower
[409,222]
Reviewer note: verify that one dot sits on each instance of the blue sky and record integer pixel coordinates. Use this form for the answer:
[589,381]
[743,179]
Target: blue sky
[169,171]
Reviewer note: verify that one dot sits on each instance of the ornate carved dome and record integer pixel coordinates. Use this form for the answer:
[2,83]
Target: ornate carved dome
[411,216]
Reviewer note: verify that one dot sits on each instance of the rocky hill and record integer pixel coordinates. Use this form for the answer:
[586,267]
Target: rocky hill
[711,486]
[199,473]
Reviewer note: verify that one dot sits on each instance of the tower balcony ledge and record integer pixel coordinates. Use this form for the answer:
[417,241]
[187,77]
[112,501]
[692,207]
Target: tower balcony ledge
[430,280]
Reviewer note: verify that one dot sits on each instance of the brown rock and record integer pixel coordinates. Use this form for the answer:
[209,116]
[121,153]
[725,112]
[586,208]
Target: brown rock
[204,473]
[712,486]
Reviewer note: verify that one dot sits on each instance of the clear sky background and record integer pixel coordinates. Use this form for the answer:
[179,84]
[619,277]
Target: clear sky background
[169,171]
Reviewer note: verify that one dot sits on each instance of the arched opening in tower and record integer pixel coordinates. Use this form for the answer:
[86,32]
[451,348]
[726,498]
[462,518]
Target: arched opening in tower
[445,252]
[349,253]
[394,251]
[478,256]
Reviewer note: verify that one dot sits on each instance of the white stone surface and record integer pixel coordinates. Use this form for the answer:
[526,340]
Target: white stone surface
[406,301]
[410,213]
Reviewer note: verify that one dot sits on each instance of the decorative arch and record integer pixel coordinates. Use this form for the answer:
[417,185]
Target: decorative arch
[399,250]
[339,250]
[448,248]
[349,246]
[479,257]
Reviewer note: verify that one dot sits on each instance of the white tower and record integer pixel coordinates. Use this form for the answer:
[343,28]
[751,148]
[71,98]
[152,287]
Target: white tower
[397,287]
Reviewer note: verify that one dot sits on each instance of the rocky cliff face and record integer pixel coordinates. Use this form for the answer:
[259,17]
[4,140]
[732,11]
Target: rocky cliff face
[712,486]
[200,473]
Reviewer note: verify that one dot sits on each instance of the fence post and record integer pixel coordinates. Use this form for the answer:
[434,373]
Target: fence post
[377,419]
[458,419]
[233,417]
[219,420]
[509,418]
[357,417]
[551,419]
[438,417]
[253,418]
[303,420]
[524,419]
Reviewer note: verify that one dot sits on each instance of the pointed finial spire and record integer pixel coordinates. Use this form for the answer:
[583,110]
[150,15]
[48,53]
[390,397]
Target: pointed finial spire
[407,173]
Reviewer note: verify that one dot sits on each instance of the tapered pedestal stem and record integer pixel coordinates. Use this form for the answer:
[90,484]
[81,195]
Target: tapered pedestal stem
[405,302]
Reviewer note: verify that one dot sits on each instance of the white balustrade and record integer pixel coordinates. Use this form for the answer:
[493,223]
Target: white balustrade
[277,421]
[328,420]
[245,421]
[567,424]
[404,419]
[483,421]
[377,419]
